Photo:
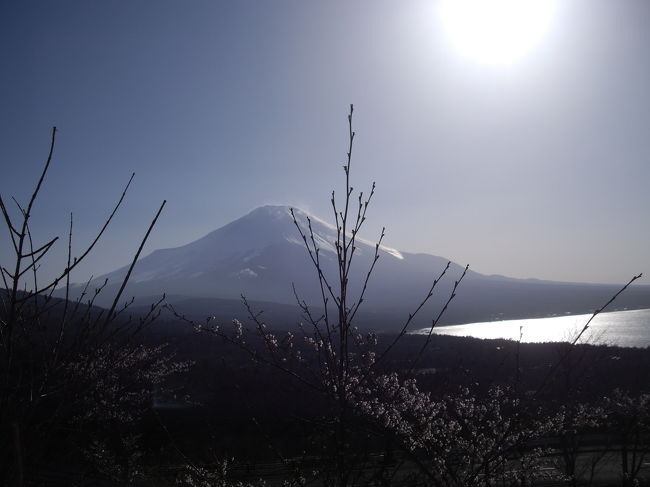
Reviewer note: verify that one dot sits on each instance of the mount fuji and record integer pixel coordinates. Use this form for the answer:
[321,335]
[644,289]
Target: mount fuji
[261,255]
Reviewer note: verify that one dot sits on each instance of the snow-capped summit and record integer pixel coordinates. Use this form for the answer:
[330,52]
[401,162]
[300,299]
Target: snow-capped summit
[263,245]
[261,255]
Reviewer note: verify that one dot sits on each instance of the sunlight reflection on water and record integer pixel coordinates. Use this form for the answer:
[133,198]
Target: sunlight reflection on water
[621,328]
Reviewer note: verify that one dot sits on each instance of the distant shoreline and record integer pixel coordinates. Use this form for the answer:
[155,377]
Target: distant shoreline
[626,328]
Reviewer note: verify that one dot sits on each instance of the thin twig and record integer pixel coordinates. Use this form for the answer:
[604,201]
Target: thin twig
[437,319]
[79,259]
[109,315]
[572,345]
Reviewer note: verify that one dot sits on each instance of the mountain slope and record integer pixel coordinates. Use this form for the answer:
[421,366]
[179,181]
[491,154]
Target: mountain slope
[261,254]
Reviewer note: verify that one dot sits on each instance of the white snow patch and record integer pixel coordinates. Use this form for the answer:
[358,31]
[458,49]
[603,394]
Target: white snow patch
[294,240]
[246,273]
[394,252]
[389,250]
[252,255]
[144,276]
[321,243]
[325,244]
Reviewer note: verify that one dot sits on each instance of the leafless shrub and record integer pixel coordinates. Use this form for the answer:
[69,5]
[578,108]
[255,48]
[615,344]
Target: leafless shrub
[71,374]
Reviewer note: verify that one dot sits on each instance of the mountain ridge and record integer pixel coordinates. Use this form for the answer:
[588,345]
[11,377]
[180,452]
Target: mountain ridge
[262,255]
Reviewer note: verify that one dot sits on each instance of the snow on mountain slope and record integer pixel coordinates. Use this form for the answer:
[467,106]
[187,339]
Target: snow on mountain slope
[242,240]
[262,254]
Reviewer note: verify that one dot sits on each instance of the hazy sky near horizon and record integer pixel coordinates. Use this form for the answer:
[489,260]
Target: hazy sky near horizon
[539,168]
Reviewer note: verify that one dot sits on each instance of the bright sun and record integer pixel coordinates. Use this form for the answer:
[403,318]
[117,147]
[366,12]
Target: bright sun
[497,32]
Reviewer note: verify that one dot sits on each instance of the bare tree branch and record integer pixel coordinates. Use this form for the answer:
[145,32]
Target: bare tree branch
[109,315]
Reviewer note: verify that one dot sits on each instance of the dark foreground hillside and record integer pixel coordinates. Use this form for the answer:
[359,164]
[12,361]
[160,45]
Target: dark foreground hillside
[247,411]
[188,407]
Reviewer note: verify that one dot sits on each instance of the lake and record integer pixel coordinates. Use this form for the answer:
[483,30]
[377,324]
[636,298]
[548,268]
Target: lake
[621,328]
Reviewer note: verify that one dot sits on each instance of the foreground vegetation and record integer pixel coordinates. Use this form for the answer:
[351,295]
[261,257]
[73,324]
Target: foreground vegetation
[229,419]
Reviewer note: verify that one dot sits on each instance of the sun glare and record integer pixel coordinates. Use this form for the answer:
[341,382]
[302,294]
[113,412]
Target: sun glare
[497,32]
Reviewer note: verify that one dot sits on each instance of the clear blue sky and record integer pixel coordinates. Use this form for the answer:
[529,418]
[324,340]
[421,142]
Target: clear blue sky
[536,169]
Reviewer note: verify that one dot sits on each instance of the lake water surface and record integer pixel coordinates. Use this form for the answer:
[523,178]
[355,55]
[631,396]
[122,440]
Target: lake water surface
[621,328]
